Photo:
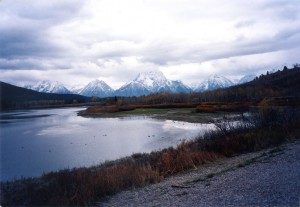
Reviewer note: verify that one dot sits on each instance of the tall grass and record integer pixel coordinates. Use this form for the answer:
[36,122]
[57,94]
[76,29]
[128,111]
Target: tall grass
[83,186]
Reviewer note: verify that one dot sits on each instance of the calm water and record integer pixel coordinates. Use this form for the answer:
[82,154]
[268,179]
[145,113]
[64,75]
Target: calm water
[37,141]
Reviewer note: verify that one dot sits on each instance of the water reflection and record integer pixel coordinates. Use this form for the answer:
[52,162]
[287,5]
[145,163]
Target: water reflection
[39,141]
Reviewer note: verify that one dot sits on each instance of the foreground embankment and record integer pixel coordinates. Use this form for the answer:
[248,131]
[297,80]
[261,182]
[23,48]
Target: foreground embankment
[266,178]
[267,128]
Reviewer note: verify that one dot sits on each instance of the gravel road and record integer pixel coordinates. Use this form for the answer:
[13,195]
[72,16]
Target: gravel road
[266,178]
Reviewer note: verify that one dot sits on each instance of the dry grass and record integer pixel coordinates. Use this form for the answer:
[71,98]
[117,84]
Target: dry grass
[83,186]
[223,106]
[118,108]
[108,109]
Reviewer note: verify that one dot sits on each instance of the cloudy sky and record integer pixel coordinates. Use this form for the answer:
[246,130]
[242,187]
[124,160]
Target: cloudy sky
[76,41]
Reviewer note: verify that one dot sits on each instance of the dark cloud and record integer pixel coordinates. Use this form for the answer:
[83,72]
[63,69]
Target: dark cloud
[281,9]
[91,37]
[34,63]
[20,42]
[24,27]
[18,64]
[163,54]
[43,10]
[19,79]
[288,33]
[245,23]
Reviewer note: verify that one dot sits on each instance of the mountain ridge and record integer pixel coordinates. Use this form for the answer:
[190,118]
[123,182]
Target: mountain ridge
[213,82]
[97,88]
[47,86]
[143,84]
[151,82]
[18,97]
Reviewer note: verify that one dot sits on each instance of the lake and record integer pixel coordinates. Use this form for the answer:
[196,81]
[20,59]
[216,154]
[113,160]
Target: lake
[38,141]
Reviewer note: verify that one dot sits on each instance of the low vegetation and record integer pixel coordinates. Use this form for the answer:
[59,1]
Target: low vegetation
[14,97]
[280,88]
[223,106]
[104,109]
[267,127]
[282,84]
[275,87]
[273,100]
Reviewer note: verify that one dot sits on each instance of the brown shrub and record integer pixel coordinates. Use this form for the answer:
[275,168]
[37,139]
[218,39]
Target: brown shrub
[222,106]
[82,186]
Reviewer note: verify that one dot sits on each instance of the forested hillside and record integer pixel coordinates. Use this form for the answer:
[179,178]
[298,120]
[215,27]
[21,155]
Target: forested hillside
[283,83]
[271,87]
[17,97]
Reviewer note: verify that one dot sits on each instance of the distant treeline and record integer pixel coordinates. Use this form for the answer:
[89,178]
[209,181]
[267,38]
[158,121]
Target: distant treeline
[283,83]
[83,186]
[13,97]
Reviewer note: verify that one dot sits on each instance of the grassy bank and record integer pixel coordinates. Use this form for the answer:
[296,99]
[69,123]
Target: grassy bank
[176,114]
[82,186]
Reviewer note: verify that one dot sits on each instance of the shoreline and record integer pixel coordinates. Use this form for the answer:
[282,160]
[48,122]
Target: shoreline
[176,114]
[84,186]
[216,183]
[47,107]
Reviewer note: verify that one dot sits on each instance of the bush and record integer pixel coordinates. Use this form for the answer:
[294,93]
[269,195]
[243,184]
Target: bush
[264,128]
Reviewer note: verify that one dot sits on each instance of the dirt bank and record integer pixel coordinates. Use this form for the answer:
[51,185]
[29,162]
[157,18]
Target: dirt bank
[266,178]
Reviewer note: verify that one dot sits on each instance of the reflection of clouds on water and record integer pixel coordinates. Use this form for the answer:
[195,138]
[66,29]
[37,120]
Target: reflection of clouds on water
[59,130]
[27,132]
[174,132]
[67,140]
[169,125]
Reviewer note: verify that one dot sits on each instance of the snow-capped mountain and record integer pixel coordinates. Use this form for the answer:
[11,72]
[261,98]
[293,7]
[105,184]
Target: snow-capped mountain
[213,82]
[143,84]
[47,86]
[76,89]
[246,78]
[151,82]
[97,88]
[132,89]
[178,87]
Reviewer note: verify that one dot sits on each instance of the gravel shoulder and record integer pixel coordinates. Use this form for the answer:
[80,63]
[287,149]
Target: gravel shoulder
[266,178]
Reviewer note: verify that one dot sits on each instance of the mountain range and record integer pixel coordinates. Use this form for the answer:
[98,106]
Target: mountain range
[97,88]
[151,82]
[246,78]
[18,97]
[213,82]
[49,87]
[143,84]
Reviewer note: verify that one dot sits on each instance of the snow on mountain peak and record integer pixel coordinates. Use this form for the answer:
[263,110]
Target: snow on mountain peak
[97,88]
[153,75]
[214,82]
[144,84]
[246,78]
[97,83]
[47,86]
[150,79]
[151,82]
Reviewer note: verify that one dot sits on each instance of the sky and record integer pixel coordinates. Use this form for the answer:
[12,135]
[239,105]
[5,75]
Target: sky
[77,41]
